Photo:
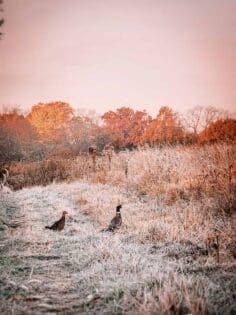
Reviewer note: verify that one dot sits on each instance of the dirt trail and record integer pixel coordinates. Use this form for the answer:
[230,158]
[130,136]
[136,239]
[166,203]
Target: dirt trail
[79,270]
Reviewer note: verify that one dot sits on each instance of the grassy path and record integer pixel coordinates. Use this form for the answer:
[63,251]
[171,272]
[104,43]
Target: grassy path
[83,271]
[34,260]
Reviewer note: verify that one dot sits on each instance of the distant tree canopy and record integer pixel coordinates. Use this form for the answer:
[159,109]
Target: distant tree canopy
[166,128]
[16,135]
[53,129]
[125,126]
[17,126]
[10,149]
[199,118]
[49,119]
[82,132]
[220,130]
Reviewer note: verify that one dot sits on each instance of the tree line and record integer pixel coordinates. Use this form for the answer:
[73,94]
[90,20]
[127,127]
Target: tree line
[55,129]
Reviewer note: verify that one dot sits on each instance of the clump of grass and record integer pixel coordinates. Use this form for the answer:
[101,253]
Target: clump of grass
[169,295]
[185,173]
[39,173]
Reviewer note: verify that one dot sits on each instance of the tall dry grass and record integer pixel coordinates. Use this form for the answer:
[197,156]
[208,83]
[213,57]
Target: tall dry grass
[169,174]
[193,192]
[27,174]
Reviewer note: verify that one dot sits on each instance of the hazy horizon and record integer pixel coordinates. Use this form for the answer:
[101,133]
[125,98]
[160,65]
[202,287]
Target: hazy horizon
[107,54]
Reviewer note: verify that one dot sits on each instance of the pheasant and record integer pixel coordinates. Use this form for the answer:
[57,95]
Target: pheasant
[60,224]
[115,222]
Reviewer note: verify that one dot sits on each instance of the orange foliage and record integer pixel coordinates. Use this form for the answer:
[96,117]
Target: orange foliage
[219,130]
[17,126]
[125,126]
[165,128]
[49,119]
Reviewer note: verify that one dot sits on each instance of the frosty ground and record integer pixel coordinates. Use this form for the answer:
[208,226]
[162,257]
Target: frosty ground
[140,269]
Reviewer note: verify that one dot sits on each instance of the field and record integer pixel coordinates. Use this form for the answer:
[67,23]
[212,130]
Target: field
[174,254]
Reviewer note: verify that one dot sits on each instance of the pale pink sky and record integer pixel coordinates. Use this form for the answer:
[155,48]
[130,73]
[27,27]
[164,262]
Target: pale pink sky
[103,54]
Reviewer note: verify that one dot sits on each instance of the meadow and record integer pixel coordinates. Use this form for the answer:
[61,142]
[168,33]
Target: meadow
[174,254]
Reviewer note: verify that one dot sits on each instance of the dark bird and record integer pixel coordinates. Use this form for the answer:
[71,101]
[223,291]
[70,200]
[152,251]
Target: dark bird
[60,224]
[115,222]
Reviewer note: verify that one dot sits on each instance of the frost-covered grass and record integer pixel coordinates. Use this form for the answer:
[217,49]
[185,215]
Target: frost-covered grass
[160,262]
[192,192]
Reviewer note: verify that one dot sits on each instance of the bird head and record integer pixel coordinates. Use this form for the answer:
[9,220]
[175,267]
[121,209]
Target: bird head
[118,208]
[64,213]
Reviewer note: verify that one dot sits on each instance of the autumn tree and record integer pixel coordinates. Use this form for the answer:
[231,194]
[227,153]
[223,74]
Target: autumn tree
[220,130]
[125,126]
[17,126]
[86,131]
[82,132]
[17,134]
[200,117]
[166,128]
[10,149]
[49,120]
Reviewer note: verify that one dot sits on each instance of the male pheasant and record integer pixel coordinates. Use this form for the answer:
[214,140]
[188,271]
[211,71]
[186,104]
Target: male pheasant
[115,222]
